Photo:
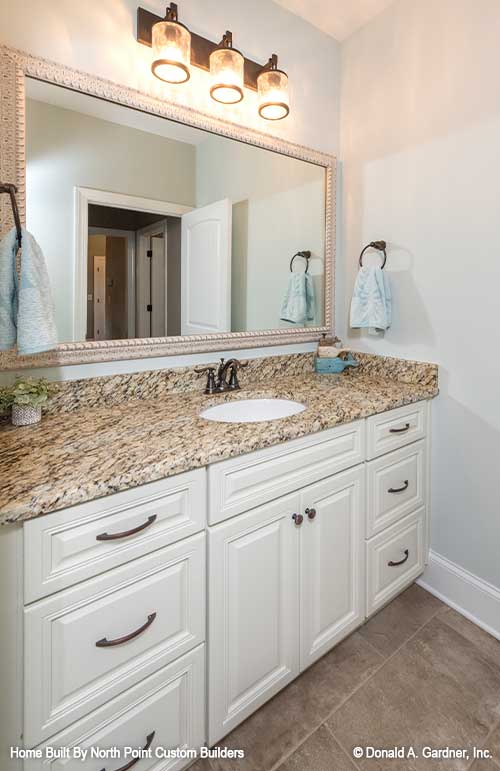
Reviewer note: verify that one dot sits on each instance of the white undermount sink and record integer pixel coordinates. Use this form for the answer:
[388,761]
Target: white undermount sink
[252,410]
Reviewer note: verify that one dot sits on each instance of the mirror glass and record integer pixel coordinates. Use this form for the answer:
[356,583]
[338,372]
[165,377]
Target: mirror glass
[152,228]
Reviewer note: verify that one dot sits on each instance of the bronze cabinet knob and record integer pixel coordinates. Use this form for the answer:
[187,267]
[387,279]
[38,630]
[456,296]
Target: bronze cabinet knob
[298,518]
[311,513]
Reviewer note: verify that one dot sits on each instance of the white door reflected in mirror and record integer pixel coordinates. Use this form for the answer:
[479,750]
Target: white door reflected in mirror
[206,269]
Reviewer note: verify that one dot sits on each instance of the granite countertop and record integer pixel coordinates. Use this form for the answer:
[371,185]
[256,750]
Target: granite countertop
[93,451]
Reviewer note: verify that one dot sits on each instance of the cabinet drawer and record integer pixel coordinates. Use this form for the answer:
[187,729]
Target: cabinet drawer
[395,429]
[240,484]
[396,486]
[394,559]
[170,705]
[77,543]
[87,644]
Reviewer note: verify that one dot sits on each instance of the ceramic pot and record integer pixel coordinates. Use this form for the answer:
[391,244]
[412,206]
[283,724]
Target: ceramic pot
[23,415]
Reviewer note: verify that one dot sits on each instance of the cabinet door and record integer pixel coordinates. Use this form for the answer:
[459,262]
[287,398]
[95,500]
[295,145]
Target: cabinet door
[254,611]
[331,562]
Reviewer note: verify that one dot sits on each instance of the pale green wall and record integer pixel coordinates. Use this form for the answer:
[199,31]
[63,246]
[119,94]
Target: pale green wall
[285,206]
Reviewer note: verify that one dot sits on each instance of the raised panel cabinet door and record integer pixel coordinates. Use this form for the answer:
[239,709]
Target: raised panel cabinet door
[254,611]
[331,562]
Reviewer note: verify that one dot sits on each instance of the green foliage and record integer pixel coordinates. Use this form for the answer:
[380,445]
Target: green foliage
[26,392]
[5,400]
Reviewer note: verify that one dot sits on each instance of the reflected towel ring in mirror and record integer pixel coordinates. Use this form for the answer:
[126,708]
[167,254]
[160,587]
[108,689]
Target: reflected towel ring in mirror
[380,246]
[306,255]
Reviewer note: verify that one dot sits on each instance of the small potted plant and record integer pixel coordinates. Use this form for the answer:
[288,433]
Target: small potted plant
[27,396]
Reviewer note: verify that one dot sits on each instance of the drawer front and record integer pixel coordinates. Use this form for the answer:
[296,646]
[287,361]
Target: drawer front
[396,486]
[394,559]
[78,543]
[85,645]
[396,428]
[240,484]
[167,710]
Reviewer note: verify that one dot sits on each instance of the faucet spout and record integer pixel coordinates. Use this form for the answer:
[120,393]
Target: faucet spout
[231,366]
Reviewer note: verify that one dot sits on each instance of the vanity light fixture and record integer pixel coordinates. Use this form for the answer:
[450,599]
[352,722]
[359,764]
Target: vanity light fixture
[171,43]
[226,72]
[176,50]
[272,87]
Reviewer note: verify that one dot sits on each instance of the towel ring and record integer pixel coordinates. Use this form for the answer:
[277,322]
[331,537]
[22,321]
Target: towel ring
[306,255]
[12,190]
[380,246]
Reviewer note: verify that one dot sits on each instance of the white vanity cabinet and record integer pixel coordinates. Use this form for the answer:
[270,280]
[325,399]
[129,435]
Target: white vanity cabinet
[292,547]
[295,567]
[286,583]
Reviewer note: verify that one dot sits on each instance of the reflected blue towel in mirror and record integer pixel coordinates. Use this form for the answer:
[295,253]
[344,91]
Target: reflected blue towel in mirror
[299,303]
[371,304]
[26,305]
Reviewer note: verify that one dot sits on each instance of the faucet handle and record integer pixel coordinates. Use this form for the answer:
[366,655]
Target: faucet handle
[233,384]
[210,387]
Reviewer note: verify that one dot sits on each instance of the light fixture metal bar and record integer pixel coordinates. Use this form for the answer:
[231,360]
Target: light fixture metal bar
[201,48]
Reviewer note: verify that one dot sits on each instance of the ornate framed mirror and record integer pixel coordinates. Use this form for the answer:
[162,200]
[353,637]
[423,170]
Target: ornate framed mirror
[166,231]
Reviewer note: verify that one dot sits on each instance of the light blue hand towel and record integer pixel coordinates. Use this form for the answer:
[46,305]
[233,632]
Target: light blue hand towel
[26,305]
[371,305]
[299,304]
[8,291]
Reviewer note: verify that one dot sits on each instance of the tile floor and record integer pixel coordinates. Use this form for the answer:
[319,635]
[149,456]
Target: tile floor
[417,674]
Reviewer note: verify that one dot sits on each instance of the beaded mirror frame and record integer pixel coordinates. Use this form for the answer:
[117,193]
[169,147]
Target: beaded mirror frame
[15,66]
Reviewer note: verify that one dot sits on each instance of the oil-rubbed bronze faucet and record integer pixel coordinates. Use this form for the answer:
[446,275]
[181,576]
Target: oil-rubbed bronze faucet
[220,384]
[233,365]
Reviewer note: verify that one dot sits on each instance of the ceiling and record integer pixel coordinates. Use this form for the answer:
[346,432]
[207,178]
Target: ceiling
[338,18]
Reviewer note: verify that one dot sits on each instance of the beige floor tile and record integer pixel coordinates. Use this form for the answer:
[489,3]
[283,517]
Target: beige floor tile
[437,691]
[319,753]
[280,725]
[397,622]
[493,744]
[488,646]
[201,765]
[484,765]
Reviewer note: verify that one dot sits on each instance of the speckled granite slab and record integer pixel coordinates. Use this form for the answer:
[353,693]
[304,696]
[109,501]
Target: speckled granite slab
[156,384]
[130,435]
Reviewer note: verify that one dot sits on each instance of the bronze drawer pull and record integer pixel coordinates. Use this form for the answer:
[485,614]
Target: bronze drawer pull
[399,430]
[149,742]
[311,513]
[126,533]
[104,643]
[399,489]
[298,519]
[392,564]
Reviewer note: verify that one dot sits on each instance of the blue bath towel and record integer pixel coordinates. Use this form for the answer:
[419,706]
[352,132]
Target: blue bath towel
[26,305]
[371,305]
[299,304]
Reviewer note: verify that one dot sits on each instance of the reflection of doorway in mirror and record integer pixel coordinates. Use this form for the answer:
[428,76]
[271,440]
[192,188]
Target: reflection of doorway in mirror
[118,248]
[142,252]
[143,294]
[99,297]
[152,277]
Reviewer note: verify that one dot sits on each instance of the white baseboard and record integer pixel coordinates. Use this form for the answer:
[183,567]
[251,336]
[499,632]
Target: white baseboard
[474,598]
